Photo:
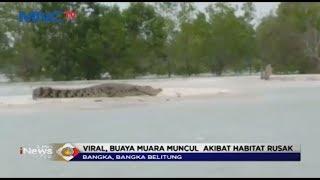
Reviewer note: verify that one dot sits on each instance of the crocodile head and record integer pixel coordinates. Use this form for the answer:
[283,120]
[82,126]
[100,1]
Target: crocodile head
[150,90]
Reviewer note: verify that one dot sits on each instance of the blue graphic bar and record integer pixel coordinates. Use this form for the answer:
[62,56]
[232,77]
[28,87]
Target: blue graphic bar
[188,157]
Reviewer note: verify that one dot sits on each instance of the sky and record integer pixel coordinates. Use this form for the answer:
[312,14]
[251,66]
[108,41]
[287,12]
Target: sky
[262,8]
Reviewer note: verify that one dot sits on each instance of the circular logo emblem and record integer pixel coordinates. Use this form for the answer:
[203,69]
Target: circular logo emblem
[67,151]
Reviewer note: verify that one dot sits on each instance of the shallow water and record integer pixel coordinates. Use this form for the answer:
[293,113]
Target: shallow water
[273,115]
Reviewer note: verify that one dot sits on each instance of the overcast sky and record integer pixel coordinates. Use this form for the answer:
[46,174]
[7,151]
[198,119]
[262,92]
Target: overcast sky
[262,8]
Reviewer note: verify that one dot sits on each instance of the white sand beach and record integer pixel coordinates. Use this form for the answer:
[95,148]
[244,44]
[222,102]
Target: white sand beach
[15,94]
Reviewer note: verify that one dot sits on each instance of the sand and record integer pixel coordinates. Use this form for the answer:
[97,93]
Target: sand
[172,89]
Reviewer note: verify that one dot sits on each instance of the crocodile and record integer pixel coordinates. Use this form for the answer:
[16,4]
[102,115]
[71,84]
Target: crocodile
[102,90]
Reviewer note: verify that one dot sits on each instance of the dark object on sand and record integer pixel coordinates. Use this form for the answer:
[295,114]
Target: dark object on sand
[265,74]
[102,90]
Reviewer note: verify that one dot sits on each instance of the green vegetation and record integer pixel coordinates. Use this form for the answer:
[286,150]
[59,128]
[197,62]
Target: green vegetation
[157,38]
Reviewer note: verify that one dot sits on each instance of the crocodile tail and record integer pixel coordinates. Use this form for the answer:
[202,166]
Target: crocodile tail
[42,92]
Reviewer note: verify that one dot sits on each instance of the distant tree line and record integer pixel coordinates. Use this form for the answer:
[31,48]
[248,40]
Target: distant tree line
[164,38]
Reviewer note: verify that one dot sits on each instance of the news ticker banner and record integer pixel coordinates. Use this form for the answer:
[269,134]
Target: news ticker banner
[165,152]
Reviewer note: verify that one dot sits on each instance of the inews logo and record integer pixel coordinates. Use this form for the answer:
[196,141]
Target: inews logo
[40,151]
[57,152]
[57,16]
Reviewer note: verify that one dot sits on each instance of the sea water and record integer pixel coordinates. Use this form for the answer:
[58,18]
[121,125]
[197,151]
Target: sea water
[288,115]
